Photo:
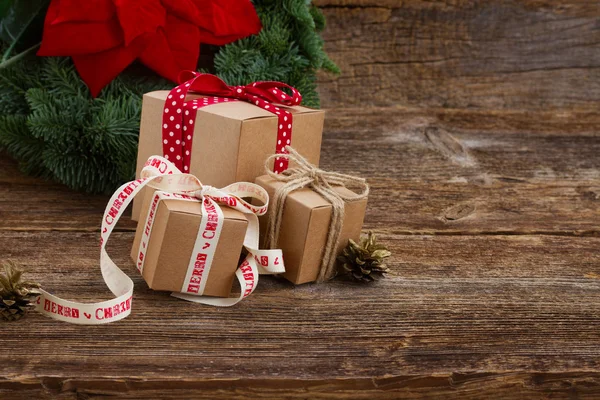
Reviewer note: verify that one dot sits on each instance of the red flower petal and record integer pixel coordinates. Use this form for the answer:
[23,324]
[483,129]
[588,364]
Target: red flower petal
[164,34]
[74,38]
[183,9]
[70,38]
[99,69]
[88,10]
[140,16]
[175,49]
[229,20]
[236,18]
[157,56]
[184,41]
[221,21]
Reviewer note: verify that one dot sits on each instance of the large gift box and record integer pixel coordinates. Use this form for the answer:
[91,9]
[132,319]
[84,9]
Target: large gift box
[165,238]
[223,134]
[301,221]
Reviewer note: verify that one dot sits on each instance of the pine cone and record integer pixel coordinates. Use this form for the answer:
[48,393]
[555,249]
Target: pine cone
[364,261]
[16,296]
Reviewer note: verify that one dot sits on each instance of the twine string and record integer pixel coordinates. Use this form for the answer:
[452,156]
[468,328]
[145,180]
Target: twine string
[306,175]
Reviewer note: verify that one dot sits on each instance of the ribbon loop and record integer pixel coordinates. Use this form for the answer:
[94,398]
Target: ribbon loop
[211,85]
[189,188]
[180,114]
[272,92]
[163,175]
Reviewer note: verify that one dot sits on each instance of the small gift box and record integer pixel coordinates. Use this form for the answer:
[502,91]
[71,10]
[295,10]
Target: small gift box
[222,133]
[189,242]
[164,257]
[312,215]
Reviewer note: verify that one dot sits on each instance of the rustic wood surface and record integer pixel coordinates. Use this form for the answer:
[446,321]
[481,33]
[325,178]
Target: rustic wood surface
[530,54]
[493,218]
[481,141]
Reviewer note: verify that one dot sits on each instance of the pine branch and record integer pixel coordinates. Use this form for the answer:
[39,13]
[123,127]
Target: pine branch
[61,132]
[50,123]
[288,48]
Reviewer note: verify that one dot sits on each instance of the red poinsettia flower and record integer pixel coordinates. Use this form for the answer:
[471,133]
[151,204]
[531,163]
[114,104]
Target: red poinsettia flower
[104,36]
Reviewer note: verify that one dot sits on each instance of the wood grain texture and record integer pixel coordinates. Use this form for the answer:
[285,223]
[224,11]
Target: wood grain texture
[441,171]
[456,386]
[459,316]
[482,147]
[531,54]
[494,290]
[434,171]
[27,203]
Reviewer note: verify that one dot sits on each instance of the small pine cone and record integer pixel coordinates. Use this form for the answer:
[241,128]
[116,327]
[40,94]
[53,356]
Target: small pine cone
[364,261]
[11,311]
[17,297]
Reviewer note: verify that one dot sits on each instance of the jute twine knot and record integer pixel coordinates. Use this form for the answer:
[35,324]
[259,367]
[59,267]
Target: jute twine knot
[303,175]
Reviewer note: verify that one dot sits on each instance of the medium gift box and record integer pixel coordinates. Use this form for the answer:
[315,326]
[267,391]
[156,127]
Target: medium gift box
[171,227]
[312,216]
[223,134]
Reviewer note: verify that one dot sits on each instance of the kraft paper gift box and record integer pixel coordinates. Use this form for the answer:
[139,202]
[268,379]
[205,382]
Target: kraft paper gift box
[305,225]
[231,140]
[171,243]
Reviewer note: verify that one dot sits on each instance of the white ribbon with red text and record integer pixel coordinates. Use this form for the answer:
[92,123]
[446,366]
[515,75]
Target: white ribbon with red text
[161,174]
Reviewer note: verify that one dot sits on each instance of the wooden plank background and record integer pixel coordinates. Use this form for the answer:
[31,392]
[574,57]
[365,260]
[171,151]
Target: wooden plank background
[524,54]
[477,125]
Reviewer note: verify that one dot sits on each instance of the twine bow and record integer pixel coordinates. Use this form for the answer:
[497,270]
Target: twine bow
[302,175]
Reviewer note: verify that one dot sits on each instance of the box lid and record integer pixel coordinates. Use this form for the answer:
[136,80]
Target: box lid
[237,110]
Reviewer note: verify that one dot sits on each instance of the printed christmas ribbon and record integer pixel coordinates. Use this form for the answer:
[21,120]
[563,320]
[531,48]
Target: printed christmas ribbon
[161,174]
[179,115]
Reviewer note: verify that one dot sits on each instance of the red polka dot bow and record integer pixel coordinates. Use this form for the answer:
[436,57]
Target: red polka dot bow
[179,115]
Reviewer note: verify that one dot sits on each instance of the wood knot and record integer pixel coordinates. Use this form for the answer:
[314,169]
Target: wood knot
[458,211]
[449,146]
[590,195]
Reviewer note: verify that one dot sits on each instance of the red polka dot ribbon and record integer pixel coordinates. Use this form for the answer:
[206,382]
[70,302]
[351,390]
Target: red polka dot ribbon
[179,115]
